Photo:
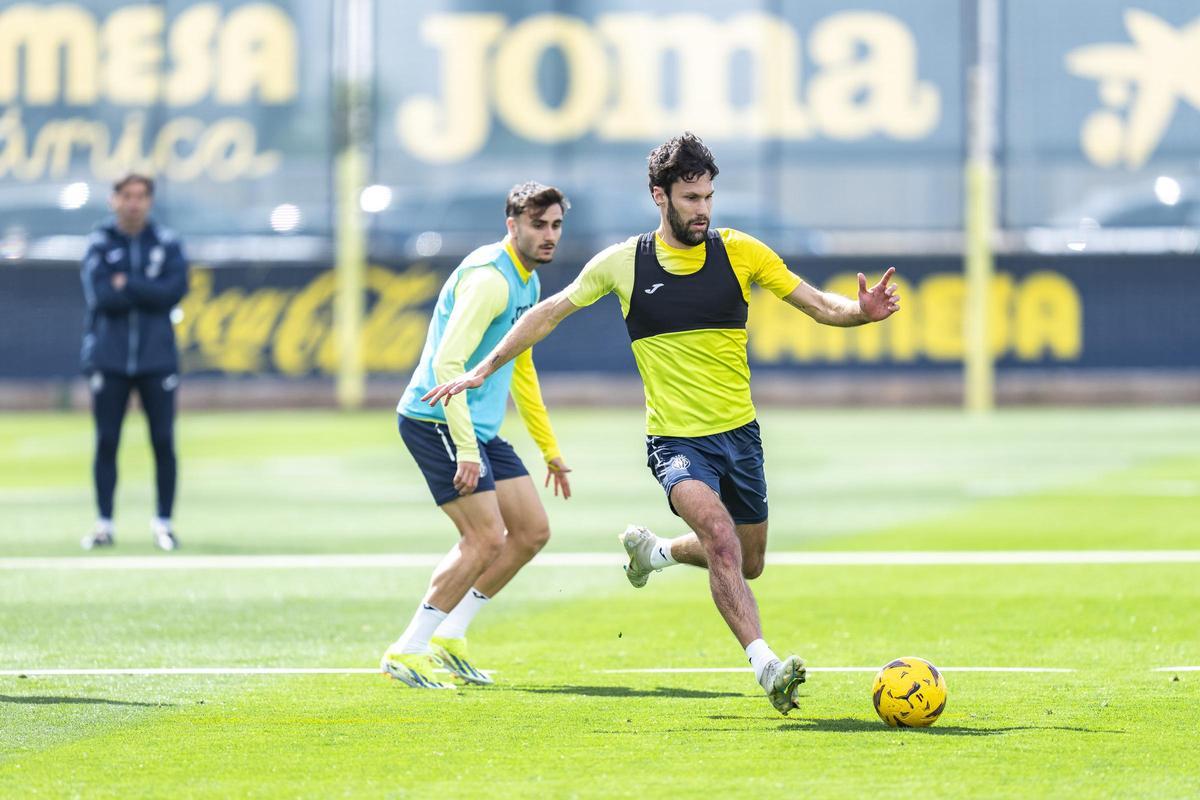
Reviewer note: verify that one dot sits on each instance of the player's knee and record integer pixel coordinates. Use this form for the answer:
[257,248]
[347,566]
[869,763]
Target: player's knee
[532,540]
[725,553]
[718,526]
[490,546]
[483,553]
[483,543]
[752,566]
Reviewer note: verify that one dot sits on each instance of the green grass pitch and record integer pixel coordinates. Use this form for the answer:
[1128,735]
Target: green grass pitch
[564,719]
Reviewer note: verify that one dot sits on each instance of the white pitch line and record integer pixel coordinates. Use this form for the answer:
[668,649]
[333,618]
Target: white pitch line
[685,670]
[1177,669]
[982,557]
[794,558]
[201,671]
[152,671]
[195,671]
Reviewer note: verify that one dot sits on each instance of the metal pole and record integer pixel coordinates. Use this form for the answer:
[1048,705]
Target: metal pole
[980,208]
[353,67]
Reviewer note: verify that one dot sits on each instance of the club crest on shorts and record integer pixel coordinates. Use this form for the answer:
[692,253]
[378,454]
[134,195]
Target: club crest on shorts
[674,468]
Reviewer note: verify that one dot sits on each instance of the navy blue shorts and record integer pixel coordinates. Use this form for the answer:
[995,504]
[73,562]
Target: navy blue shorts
[730,463]
[434,451]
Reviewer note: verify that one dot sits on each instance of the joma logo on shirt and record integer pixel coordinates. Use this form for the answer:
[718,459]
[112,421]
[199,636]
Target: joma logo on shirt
[520,312]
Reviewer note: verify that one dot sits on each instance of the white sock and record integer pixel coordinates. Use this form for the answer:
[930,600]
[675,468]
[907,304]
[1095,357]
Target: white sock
[415,638]
[161,523]
[455,625]
[660,556]
[760,655]
[104,524]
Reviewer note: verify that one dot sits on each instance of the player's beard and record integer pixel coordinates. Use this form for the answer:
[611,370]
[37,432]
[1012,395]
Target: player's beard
[682,229]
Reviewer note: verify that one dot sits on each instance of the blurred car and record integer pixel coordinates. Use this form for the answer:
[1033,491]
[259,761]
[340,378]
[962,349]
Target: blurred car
[1161,215]
[1163,202]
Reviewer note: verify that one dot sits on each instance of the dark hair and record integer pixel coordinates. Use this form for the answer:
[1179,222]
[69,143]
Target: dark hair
[535,196]
[680,158]
[135,177]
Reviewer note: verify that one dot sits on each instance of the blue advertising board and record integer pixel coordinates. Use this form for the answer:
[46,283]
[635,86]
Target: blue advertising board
[1073,313]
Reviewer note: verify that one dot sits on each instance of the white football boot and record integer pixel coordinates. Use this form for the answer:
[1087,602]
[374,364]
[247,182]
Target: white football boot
[639,543]
[781,680]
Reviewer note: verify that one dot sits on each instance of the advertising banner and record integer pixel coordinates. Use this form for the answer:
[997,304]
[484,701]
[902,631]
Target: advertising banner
[226,103]
[1101,115]
[1070,313]
[823,115]
[817,112]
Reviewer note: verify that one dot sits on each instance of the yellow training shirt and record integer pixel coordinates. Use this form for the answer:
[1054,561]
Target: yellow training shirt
[697,382]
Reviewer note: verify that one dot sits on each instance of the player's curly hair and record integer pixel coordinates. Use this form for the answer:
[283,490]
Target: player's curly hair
[535,196]
[680,158]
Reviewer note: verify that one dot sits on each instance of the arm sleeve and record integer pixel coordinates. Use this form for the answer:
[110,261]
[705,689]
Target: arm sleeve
[597,278]
[767,268]
[527,395]
[166,290]
[98,290]
[481,295]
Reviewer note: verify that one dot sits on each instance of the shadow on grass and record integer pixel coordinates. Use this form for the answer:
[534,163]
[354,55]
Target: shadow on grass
[851,725]
[43,700]
[625,691]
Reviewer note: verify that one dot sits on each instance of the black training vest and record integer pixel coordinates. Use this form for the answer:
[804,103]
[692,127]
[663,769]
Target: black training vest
[664,303]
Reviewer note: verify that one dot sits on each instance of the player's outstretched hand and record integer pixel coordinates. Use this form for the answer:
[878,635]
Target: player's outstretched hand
[880,301]
[557,470]
[444,391]
[466,477]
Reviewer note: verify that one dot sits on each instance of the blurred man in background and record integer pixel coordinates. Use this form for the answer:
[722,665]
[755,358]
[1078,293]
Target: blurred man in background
[684,291]
[474,475]
[134,274]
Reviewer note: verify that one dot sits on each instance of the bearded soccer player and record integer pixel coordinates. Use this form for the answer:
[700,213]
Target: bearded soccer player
[684,291]
[473,474]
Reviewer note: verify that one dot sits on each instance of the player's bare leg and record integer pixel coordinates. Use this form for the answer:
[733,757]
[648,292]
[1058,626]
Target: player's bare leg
[481,538]
[526,531]
[481,531]
[649,553]
[687,549]
[701,508]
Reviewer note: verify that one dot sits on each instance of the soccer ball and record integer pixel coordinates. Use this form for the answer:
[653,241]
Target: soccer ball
[909,693]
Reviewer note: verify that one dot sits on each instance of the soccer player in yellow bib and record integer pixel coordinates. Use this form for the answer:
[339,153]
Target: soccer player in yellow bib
[684,292]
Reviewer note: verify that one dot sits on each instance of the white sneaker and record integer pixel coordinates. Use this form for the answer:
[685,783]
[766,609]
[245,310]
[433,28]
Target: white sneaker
[639,544]
[164,537]
[781,680]
[101,536]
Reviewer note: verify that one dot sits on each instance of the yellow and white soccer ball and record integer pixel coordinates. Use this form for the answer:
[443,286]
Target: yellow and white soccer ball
[909,693]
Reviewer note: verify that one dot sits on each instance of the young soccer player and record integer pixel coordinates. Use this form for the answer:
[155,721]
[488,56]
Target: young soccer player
[474,475]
